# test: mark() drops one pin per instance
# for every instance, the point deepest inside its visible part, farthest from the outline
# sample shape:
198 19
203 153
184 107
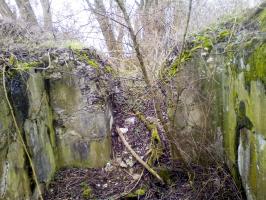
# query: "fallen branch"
135 155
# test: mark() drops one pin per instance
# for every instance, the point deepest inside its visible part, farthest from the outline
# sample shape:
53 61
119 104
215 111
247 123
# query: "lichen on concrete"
63 114
244 133
234 52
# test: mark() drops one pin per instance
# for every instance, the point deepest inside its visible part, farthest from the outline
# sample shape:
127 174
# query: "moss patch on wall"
257 65
262 20
241 45
39 96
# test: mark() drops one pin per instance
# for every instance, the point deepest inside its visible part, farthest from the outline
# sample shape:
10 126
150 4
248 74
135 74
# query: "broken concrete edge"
237 65
61 128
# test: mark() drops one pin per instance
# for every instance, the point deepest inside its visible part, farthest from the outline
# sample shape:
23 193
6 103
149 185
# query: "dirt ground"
124 178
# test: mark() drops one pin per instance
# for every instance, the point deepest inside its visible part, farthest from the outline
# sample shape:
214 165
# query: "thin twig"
20 134
187 25
136 156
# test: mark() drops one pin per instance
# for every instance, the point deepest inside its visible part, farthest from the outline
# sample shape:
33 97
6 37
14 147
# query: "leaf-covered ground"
124 178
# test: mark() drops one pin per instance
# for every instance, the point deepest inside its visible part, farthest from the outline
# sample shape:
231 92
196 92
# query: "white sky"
61 10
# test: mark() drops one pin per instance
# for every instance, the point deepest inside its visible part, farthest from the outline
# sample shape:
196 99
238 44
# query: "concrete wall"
63 114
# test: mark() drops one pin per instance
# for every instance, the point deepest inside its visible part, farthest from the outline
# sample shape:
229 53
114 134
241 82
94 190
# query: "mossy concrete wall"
243 87
230 59
244 131
244 115
63 111
240 64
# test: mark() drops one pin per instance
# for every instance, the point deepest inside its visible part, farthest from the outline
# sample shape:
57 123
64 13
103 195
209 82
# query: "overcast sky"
73 13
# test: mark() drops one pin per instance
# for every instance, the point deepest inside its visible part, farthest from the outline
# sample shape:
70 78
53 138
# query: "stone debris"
130 121
124 130
123 164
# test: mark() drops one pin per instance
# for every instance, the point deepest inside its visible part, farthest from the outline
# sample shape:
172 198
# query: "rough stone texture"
192 115
244 102
62 111
236 63
245 131
14 181
80 116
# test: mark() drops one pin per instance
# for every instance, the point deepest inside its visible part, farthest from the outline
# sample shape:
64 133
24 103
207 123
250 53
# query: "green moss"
100 152
12 60
23 65
18 182
257 63
179 61
249 104
262 20
137 193
165 174
261 166
229 122
83 56
243 63
223 35
51 128
92 63
28 65
205 41
108 69
258 101
5 118
140 192
156 145
86 190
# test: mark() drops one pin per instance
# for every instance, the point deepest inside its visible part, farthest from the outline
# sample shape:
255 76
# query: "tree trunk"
47 15
5 11
174 146
113 46
26 12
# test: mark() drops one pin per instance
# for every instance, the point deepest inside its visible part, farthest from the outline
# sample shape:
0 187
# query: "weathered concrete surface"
244 124
63 113
244 107
231 59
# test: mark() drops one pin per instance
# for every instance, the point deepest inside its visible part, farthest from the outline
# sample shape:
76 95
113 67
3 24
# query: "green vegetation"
22 65
204 41
84 57
28 65
86 190
257 63
137 193
262 20
109 70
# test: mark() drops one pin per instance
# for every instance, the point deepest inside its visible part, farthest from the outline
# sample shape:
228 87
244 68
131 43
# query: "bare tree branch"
114 47
5 11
